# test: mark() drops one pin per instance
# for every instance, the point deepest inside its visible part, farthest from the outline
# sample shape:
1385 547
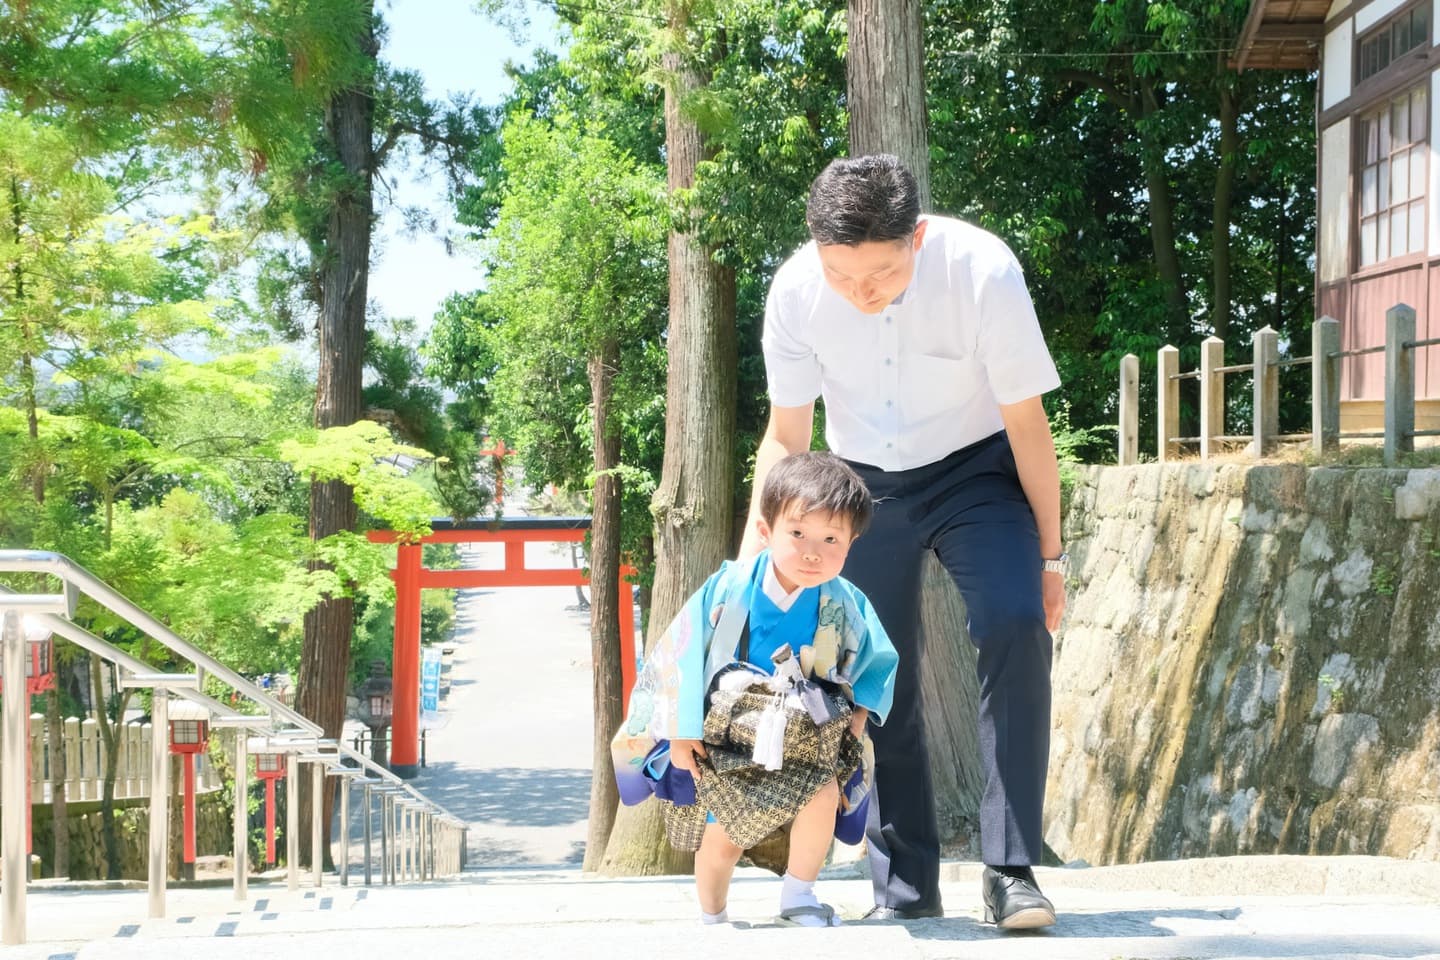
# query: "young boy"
812 508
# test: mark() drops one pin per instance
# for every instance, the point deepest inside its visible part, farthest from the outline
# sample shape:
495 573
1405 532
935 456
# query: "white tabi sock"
795 892
708 918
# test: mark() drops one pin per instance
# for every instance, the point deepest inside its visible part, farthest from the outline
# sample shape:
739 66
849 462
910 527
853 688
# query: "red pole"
405 718
188 815
270 821
627 638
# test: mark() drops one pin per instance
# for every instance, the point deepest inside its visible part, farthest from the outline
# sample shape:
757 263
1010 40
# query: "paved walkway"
514 755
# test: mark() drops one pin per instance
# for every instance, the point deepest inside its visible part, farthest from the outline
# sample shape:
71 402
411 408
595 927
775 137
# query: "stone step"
1105 913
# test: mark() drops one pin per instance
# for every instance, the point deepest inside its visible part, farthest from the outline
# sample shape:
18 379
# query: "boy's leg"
714 866
811 833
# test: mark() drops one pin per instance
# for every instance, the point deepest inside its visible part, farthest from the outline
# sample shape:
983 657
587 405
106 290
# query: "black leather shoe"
878 912
1014 903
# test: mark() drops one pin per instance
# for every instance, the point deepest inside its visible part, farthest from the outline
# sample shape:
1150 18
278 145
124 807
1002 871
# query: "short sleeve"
1011 346
792 370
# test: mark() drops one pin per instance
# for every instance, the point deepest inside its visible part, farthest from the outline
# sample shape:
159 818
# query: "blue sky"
455 50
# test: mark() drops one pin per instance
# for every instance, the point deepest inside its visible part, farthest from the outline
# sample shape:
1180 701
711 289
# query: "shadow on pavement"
509 796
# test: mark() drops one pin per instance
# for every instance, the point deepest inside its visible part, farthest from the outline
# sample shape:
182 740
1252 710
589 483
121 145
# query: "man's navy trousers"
970 509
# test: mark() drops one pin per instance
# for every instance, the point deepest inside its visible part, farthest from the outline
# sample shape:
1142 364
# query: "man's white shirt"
923 377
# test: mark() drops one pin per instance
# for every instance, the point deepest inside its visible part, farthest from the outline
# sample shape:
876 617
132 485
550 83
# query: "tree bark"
344 276
1162 225
55 737
1229 117
605 601
108 837
694 504
885 84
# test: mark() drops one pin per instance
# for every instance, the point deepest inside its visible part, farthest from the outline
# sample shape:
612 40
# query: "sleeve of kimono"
872 676
668 700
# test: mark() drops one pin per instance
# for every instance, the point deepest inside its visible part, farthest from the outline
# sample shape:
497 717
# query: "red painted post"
405 719
188 815
627 638
270 821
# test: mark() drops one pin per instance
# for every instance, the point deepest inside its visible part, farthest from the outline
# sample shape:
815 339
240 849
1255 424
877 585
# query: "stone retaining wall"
213 835
1250 664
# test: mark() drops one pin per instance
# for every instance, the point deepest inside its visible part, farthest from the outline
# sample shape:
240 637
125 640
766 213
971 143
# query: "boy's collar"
770 584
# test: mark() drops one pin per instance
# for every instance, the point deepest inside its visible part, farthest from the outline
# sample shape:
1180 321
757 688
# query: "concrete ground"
514 760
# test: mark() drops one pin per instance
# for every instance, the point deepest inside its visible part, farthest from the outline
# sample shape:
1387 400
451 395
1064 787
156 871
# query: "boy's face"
871 275
807 548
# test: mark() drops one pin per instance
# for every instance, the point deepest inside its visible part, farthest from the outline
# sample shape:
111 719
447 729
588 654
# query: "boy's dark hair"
816 481
863 199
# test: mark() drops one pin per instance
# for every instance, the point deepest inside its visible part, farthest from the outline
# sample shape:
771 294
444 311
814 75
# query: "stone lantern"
375 708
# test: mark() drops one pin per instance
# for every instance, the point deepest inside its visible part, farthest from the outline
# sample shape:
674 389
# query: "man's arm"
787 432
1029 432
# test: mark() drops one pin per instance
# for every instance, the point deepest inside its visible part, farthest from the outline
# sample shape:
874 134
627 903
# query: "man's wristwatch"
1060 565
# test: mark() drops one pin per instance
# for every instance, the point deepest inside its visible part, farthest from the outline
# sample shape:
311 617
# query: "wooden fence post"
1266 349
1129 438
1325 386
1212 396
1399 382
92 773
37 758
1167 388
74 788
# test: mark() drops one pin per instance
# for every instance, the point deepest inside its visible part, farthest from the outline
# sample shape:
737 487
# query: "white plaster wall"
1334 252
1336 65
1366 17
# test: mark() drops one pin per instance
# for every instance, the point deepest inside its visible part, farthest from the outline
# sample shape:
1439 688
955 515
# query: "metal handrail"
281 719
63 568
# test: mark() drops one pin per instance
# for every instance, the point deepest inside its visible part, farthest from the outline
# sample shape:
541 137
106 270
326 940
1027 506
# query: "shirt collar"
772 588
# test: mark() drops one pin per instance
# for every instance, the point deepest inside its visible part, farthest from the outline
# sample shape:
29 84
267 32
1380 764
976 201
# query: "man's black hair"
816 481
863 199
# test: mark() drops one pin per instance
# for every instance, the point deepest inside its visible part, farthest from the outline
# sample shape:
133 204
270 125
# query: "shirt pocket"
938 386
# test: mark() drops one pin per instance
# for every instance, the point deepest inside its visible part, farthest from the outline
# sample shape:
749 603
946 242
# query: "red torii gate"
411 577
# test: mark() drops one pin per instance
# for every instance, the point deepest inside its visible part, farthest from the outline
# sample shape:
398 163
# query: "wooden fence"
1400 347
85 762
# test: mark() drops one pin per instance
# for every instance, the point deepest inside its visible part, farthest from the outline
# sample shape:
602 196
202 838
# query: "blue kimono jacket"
668 701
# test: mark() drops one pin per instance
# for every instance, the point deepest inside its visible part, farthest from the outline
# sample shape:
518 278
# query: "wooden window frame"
1379 115
1396 59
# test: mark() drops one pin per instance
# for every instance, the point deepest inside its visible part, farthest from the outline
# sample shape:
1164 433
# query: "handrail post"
1325 386
1265 346
369 877
1129 432
1167 402
1399 383
242 812
292 821
317 821
343 783
159 840
15 799
1212 396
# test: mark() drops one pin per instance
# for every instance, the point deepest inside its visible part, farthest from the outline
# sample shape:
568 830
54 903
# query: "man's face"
871 275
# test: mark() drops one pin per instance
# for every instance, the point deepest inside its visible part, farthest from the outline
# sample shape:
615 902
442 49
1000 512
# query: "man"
922 339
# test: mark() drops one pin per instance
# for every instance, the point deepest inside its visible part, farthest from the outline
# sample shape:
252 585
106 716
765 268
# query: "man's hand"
687 754
857 721
1052 592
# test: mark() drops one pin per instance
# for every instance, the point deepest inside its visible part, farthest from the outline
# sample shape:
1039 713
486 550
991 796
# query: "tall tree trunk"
1224 193
1162 223
345 270
55 737
27 363
885 84
694 504
605 601
108 837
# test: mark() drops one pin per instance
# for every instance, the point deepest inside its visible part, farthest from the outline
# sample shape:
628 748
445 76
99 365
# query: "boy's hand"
686 755
857 721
